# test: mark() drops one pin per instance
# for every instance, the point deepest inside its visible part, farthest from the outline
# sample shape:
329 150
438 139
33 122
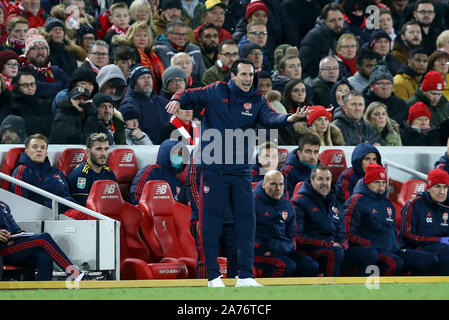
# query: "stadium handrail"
398 166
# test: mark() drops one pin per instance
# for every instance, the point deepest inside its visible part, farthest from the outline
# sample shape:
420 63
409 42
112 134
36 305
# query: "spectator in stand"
111 81
176 42
140 10
17 29
354 14
397 8
295 95
370 222
50 79
362 155
169 163
97 55
322 39
380 89
185 62
327 76
443 161
409 38
267 159
227 54
338 91
141 97
388 129
300 162
274 251
380 43
34 167
366 60
5 100
110 120
431 94
30 10
439 61
424 14
85 35
257 33
424 223
124 57
254 53
290 68
346 55
9 66
303 15
141 39
208 42
192 12
443 41
215 14
120 18
134 135
25 103
12 130
265 83
174 79
410 74
386 24
255 11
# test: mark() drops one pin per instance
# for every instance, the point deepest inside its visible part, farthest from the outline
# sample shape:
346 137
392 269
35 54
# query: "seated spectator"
349 119
30 10
295 95
75 118
124 57
290 68
354 14
265 82
388 129
85 36
9 66
150 107
120 18
366 60
410 74
257 33
17 29
439 61
254 53
97 55
208 42
323 83
274 251
35 112
110 120
338 91
318 123
370 222
362 155
443 41
380 43
185 62
254 11
346 55
424 13
431 94
215 14
227 54
267 158
174 79
111 81
192 12
424 223
168 164
182 128
408 39
12 130
418 131
380 89
134 135
303 15
386 24
33 167
94 168
300 162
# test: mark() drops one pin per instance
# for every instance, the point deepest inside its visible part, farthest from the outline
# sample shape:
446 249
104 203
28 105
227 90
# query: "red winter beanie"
317 112
255 5
374 172
437 176
417 110
433 80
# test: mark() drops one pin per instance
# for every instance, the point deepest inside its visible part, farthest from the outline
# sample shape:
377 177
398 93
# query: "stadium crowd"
347 73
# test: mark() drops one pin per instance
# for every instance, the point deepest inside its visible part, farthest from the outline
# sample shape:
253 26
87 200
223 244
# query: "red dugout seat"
123 162
283 154
69 159
105 198
394 189
9 164
335 160
410 189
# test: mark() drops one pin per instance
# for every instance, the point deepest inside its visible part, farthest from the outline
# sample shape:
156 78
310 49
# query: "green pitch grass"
434 291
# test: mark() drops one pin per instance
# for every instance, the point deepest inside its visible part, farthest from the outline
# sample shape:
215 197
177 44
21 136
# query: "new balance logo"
127 157
78 157
109 189
336 158
161 189
419 188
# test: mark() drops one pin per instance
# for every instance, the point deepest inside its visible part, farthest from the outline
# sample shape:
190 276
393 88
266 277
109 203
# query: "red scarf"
154 63
350 63
185 129
117 29
45 70
180 49
7 82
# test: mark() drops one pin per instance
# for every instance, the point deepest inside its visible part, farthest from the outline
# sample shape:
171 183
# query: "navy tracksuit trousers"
37 251
405 260
441 252
293 264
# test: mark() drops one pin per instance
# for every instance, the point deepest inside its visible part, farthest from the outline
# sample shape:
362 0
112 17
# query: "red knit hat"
433 80
417 110
437 176
317 111
374 172
255 5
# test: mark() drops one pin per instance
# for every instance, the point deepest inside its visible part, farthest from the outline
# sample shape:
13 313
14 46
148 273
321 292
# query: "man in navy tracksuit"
425 221
230 109
34 168
321 232
301 161
362 155
169 163
274 251
370 222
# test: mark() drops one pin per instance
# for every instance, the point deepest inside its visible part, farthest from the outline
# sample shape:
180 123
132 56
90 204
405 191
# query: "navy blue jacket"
255 171
41 175
294 171
319 220
275 223
162 170
48 90
423 222
442 163
228 108
370 219
83 177
7 221
349 178
152 113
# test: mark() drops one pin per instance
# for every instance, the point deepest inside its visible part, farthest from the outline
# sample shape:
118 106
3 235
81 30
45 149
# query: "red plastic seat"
397 218
106 199
123 162
335 160
70 158
410 189
297 186
166 226
283 154
394 189
9 164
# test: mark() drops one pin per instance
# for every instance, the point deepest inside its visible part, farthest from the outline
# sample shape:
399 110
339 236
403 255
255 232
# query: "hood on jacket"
357 156
84 74
163 155
16 124
113 73
334 88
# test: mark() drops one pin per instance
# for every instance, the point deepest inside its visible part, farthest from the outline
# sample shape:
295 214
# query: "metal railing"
398 166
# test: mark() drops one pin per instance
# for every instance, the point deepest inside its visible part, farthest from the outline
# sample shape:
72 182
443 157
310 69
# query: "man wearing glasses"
97 55
409 38
256 32
328 73
227 53
424 14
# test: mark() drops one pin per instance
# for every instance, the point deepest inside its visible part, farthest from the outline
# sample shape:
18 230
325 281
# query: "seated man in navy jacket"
274 244
267 159
424 223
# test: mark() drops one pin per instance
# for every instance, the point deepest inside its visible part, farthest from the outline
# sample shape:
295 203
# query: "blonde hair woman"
377 115
140 10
